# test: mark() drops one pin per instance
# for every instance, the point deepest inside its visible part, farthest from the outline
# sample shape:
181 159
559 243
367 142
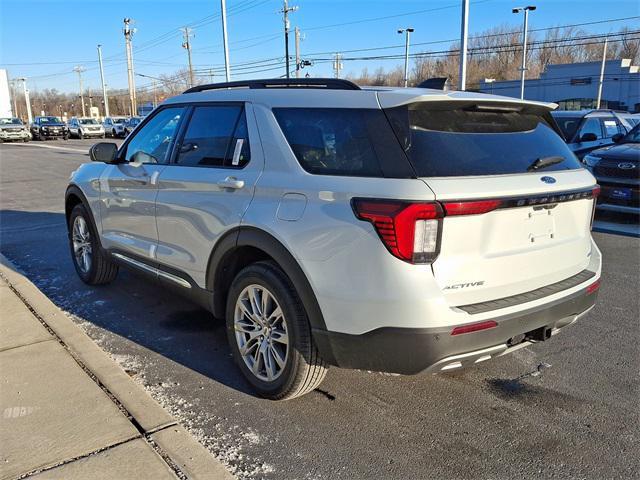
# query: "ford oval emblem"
626 166
548 179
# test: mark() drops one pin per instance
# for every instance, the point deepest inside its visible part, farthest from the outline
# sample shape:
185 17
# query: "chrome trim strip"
173 278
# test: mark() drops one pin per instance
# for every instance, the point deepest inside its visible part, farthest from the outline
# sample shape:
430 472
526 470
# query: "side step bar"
155 271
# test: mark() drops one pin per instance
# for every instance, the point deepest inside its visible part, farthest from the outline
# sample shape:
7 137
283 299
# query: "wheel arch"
74 196
245 245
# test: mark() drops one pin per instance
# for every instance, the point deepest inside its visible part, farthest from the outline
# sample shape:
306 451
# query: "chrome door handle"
231 182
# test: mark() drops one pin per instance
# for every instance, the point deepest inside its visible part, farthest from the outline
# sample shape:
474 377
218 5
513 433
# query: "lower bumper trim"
410 351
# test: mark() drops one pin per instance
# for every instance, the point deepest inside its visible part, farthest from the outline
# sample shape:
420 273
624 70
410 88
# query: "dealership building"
574 86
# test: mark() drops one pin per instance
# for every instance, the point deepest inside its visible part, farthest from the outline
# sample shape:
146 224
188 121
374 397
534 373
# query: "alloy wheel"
81 238
261 332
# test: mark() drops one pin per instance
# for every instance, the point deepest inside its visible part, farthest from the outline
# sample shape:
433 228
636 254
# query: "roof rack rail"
326 83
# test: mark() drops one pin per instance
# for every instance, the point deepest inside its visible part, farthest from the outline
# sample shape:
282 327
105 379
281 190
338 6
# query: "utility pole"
79 69
464 35
90 102
186 34
407 32
523 69
155 95
15 98
105 99
297 34
337 64
285 15
601 81
26 98
227 70
128 33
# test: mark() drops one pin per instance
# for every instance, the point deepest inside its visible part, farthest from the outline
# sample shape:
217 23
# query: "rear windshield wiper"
545 162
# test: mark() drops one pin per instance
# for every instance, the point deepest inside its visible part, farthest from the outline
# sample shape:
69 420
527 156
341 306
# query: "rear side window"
591 125
454 141
343 141
216 137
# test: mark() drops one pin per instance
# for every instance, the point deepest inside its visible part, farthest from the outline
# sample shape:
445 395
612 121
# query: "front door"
208 186
128 190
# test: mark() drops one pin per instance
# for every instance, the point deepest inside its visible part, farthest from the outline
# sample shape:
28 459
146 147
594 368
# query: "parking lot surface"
564 408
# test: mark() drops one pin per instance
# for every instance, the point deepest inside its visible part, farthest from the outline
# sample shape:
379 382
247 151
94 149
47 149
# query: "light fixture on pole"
407 32
523 69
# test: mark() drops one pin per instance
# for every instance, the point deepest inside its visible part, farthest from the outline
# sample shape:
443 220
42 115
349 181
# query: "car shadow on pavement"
131 307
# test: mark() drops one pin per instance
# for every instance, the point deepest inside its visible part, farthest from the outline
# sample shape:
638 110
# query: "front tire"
90 261
269 334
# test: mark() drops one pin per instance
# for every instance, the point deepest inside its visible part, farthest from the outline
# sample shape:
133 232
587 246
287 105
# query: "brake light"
410 231
474 327
474 207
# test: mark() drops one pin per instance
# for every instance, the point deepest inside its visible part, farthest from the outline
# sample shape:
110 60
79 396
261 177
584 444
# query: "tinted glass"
216 137
444 141
568 125
333 141
151 144
591 125
610 127
633 136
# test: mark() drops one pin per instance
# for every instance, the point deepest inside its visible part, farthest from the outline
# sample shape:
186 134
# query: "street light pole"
464 30
601 80
407 32
285 14
128 34
523 69
104 86
227 70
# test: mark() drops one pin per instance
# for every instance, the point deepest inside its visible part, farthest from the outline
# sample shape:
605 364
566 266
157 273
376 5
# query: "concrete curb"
148 416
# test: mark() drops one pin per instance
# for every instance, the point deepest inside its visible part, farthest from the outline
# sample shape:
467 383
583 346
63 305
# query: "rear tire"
91 263
280 359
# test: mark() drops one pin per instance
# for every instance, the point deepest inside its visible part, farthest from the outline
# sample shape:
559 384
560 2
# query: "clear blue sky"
44 39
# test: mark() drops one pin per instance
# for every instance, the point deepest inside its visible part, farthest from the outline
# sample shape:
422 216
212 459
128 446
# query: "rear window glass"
442 141
343 141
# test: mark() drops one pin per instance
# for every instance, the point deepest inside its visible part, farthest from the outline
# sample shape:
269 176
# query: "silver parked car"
13 129
401 230
85 128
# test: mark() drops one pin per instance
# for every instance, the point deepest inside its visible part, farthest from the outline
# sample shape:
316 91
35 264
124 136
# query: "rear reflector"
410 231
473 327
474 207
593 287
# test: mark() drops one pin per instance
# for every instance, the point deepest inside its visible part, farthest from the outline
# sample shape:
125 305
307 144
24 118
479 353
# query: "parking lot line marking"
46 146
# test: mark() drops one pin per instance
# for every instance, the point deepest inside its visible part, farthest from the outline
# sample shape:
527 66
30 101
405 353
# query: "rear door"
208 186
518 204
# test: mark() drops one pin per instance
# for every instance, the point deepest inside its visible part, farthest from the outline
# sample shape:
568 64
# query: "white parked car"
85 128
402 230
114 126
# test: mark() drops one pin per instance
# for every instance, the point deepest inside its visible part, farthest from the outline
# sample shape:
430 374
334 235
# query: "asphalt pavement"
564 408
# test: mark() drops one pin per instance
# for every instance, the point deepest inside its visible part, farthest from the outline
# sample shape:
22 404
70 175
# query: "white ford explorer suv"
395 230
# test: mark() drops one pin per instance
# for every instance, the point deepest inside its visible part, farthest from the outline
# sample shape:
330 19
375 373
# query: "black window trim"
122 151
183 130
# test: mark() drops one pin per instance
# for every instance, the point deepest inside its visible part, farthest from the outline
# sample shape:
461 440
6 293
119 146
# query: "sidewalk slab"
147 413
133 460
52 411
190 456
18 326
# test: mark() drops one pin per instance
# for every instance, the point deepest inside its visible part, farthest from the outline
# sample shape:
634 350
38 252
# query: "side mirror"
106 152
617 137
588 137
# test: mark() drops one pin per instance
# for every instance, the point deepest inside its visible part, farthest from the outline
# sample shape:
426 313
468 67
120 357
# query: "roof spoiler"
436 83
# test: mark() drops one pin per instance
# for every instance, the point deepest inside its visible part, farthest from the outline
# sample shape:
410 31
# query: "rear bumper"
418 350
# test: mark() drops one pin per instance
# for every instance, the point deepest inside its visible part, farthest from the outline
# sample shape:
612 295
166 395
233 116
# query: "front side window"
151 144
591 125
216 137
468 140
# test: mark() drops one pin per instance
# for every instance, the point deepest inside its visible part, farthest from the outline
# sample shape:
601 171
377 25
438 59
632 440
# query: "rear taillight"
411 231
595 191
474 207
